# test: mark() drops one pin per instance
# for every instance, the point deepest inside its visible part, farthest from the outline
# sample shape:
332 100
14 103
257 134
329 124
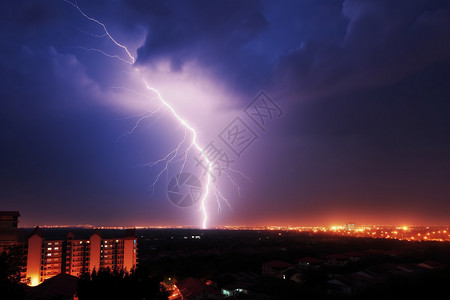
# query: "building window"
49 254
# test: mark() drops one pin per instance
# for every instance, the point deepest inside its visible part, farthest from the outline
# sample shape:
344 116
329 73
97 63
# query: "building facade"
47 258
10 235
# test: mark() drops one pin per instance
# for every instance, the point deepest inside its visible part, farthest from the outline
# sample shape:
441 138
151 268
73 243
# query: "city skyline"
345 105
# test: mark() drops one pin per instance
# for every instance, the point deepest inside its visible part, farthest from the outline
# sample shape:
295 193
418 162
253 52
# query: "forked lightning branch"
190 138
214 161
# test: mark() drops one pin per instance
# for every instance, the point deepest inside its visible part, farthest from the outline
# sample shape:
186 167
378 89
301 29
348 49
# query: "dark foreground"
217 264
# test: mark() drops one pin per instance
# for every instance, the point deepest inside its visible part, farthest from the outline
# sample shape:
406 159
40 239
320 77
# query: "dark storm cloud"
384 42
372 117
214 34
60 148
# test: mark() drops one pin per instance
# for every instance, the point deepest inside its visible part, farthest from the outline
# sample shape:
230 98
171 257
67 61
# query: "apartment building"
10 235
76 256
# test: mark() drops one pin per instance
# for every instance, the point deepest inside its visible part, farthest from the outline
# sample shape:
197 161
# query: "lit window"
49 248
81 242
56 248
49 244
49 254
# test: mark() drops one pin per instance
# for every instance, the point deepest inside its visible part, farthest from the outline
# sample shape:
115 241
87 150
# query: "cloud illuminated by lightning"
179 150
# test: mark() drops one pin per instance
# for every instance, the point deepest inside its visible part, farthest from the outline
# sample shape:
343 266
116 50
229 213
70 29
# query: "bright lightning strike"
168 159
194 143
105 30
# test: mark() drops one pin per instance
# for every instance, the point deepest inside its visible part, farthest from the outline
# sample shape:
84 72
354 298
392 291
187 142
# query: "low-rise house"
336 260
354 255
236 288
276 268
431 265
194 289
309 263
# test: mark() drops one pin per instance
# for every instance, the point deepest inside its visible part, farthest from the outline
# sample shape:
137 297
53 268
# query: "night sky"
362 134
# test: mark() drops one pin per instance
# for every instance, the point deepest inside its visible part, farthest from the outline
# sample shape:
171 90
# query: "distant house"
354 255
339 286
375 252
234 284
194 289
235 288
293 275
336 260
309 262
394 253
354 283
351 226
276 268
411 270
431 265
351 283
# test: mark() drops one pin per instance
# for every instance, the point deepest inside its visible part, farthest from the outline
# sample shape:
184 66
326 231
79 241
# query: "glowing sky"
364 137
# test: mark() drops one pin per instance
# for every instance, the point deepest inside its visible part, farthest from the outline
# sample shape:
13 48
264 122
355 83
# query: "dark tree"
12 263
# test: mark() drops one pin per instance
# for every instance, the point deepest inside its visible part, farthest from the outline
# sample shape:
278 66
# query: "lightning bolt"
168 159
194 143
105 30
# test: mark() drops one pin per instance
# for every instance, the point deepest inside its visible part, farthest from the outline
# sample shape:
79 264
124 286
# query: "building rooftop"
192 287
277 264
81 234
9 214
310 260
